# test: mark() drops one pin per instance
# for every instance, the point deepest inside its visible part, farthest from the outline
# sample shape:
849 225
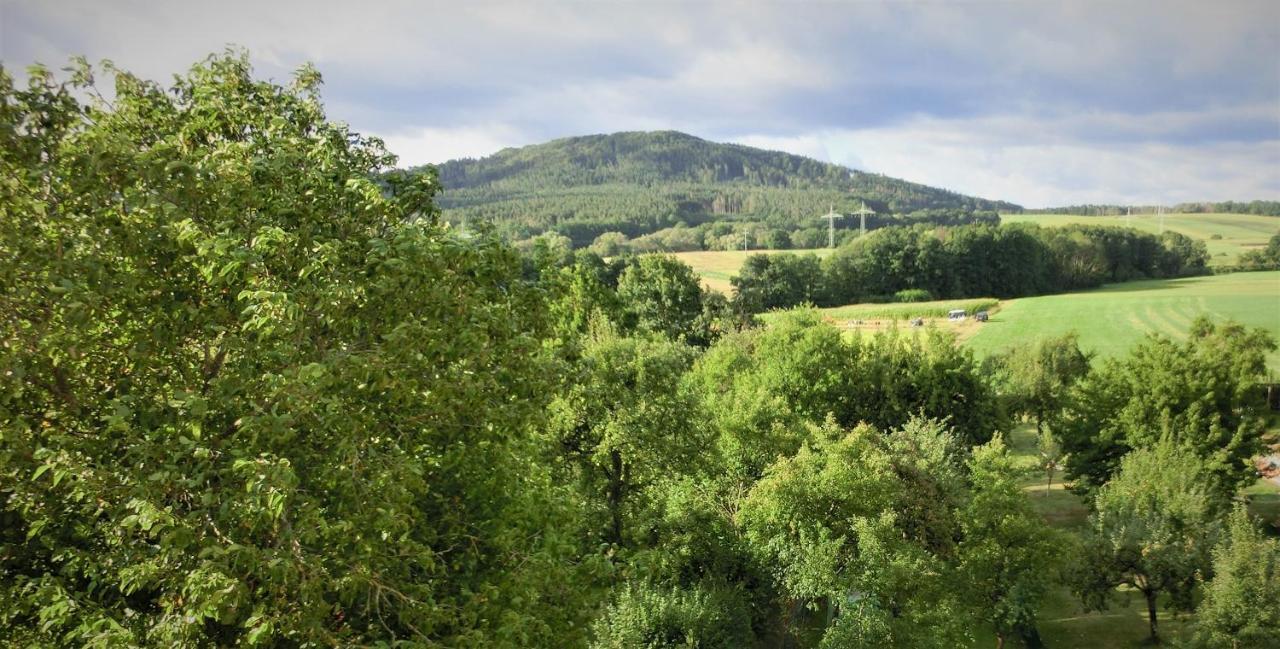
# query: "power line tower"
831 217
862 218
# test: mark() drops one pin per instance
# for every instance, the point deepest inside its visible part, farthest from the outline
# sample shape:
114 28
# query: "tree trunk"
615 497
1030 635
1049 485
999 641
1151 614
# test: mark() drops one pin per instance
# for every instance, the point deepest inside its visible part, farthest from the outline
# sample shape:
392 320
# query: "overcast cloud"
1035 102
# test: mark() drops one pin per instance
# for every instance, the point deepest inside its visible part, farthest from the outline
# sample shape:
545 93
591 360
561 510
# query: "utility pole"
831 217
862 218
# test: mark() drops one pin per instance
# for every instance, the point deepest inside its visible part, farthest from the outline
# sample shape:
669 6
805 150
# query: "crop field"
1237 232
715 267
1113 318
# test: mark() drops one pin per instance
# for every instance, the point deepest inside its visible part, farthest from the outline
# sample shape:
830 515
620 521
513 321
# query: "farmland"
715 267
1237 232
1111 319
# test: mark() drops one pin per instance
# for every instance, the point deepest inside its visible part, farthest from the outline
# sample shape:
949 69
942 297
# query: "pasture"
1237 232
1111 319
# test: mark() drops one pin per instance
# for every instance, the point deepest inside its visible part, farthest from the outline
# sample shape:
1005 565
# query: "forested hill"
639 182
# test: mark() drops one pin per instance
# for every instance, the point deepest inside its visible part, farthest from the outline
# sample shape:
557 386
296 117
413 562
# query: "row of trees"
250 396
965 261
1263 208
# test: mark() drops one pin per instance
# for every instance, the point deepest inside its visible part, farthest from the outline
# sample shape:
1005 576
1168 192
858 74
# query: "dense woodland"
923 263
639 183
254 392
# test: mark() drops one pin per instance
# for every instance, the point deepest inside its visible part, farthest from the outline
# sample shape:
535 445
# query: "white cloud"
1010 161
435 145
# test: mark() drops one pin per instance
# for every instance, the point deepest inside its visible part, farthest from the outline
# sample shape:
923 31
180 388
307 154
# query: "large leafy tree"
624 424
857 525
1202 393
660 294
1152 530
247 395
1037 378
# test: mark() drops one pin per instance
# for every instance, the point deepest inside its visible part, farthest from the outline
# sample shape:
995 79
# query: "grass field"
1113 318
715 267
1238 232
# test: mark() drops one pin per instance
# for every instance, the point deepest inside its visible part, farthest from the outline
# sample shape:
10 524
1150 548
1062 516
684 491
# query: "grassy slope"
1239 232
1111 319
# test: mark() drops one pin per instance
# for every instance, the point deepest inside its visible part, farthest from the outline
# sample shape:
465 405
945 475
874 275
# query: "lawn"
1238 232
715 267
1110 320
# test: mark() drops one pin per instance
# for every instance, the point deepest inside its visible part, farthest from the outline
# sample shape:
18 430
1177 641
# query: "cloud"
435 145
1151 87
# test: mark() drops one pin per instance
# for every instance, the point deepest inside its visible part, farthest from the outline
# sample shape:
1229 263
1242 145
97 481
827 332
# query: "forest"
638 183
255 390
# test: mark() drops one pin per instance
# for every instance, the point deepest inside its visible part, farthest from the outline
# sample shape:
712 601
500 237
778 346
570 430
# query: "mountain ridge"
636 182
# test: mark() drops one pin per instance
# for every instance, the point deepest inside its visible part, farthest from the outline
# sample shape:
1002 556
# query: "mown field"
715 267
1237 232
1109 320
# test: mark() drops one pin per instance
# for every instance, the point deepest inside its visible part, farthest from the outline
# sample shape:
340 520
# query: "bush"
652 617
912 295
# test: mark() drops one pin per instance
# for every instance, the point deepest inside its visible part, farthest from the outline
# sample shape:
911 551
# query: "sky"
1036 102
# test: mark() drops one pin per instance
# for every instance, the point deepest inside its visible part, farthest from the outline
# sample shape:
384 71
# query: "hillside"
640 182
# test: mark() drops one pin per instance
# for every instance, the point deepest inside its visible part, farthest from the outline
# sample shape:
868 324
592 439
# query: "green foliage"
1036 379
660 294
1152 530
1008 556
249 397
1267 258
852 525
767 282
644 617
1240 608
906 264
625 424
1201 394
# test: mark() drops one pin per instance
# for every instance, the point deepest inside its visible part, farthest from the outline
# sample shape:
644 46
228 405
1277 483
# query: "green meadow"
1111 319
1236 232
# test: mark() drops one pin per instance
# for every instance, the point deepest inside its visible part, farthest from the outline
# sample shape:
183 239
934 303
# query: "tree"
660 294
1201 393
1038 377
623 424
855 526
248 396
1240 608
1007 554
609 244
1153 528
1051 457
